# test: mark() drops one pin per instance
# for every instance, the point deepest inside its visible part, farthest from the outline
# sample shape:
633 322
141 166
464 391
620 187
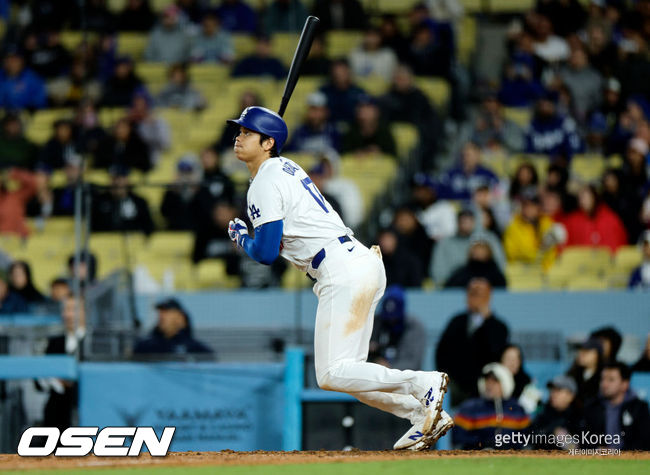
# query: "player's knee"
329 379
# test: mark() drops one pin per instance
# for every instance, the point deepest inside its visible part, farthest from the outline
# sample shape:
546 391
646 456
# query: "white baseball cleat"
444 424
428 420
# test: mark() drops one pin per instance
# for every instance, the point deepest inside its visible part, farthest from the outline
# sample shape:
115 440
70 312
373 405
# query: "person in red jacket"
16 189
594 223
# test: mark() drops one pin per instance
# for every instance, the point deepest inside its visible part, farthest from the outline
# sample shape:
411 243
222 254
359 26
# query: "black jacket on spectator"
134 154
549 420
642 366
462 355
54 153
136 19
128 214
353 17
587 388
119 92
488 270
216 187
180 212
13 303
634 422
181 343
403 268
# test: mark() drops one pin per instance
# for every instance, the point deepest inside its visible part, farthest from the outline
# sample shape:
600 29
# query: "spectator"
319 176
480 264
211 239
428 55
593 223
618 411
179 205
95 16
62 198
492 130
16 189
212 44
391 35
317 63
63 400
40 205
60 290
50 14
230 130
169 42
520 84
495 411
342 189
152 129
451 253
525 178
370 58
551 134
438 217
627 118
123 147
136 16
491 210
120 209
284 16
583 82
46 56
122 85
560 416
635 179
531 236
412 235
342 93
60 148
401 264
548 46
16 150
78 85
586 369
470 340
191 10
513 359
640 276
237 16
20 282
621 200
179 93
89 132
340 14
610 341
316 134
260 63
215 187
10 302
398 340
566 16
20 87
643 365
172 334
460 181
82 266
369 134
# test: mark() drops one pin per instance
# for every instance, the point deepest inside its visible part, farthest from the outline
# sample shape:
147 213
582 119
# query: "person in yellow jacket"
527 237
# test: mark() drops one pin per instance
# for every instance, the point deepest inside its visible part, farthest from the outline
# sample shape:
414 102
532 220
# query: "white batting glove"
237 229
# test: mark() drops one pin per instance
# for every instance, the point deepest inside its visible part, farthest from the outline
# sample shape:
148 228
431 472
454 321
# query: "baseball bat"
302 50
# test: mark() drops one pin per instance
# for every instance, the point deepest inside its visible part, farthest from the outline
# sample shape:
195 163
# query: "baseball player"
292 219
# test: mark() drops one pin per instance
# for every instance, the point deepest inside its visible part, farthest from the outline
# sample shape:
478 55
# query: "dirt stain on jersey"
359 310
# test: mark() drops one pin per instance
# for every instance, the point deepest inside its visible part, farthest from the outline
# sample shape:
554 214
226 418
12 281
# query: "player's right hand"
237 229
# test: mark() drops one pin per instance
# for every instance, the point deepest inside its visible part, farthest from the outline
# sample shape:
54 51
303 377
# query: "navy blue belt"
320 255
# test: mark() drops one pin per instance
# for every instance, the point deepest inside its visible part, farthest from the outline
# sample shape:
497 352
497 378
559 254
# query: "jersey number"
314 193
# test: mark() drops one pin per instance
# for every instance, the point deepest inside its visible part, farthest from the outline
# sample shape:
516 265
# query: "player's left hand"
237 229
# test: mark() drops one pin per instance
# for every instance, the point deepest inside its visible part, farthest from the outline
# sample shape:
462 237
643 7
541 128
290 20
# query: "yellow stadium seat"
171 243
211 274
45 271
519 115
614 161
466 39
558 277
71 39
284 45
267 88
55 227
436 89
45 247
627 258
373 85
116 6
406 137
109 115
244 44
587 167
526 283
540 162
340 42
583 260
497 6
38 135
98 177
132 44
372 174
159 5
294 278
497 162
152 73
12 244
587 283
208 72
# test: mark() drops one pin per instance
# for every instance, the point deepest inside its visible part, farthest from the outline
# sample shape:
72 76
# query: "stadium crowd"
496 179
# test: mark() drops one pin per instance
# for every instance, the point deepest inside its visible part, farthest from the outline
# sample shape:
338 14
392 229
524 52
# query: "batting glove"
237 229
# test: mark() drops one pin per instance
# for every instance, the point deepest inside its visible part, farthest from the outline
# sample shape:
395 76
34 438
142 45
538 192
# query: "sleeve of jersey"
265 247
265 203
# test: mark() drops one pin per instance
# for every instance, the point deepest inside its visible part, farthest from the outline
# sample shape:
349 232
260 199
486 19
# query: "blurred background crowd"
482 144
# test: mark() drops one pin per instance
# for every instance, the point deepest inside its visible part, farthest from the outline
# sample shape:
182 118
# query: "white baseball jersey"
282 190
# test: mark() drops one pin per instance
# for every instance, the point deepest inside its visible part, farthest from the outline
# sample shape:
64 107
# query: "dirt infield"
228 457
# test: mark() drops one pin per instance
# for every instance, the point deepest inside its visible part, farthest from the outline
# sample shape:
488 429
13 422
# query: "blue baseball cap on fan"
393 305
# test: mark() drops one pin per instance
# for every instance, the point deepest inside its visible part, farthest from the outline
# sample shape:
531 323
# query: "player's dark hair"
624 370
274 149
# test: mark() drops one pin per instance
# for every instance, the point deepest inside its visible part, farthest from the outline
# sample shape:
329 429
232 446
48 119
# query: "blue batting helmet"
264 121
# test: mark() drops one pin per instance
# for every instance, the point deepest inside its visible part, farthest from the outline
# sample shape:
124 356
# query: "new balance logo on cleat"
416 436
429 397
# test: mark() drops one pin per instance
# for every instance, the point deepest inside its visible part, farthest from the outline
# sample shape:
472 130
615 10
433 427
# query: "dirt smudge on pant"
359 310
